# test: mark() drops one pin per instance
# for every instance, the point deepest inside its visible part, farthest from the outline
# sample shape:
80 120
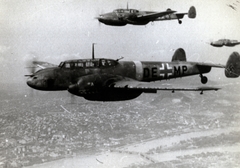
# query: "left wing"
149 87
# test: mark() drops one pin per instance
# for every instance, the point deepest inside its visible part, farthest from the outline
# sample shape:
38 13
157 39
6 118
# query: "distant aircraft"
225 42
122 17
231 6
104 79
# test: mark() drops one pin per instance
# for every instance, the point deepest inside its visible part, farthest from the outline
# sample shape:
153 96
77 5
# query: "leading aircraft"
122 17
102 79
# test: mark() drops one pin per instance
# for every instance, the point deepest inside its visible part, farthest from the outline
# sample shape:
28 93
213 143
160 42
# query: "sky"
58 30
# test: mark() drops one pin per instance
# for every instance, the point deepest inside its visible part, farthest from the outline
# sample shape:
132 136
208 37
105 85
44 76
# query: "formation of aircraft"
105 79
225 42
122 17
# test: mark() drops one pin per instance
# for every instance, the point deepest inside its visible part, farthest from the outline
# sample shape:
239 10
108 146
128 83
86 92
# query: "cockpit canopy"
88 63
126 11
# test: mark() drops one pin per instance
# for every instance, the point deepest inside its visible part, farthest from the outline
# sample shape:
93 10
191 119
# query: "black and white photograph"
119 84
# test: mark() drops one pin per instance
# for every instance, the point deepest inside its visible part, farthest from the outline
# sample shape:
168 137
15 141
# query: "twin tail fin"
179 55
233 66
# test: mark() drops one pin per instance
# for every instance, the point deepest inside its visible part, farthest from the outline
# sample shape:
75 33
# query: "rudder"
179 55
192 12
233 66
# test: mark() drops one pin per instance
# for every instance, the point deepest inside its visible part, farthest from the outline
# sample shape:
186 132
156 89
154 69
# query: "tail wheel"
204 79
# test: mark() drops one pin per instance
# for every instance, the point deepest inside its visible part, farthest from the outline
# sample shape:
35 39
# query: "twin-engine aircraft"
122 17
225 42
104 79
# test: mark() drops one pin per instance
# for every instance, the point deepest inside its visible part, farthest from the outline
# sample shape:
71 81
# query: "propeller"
98 15
99 23
71 99
30 64
31 58
209 42
71 89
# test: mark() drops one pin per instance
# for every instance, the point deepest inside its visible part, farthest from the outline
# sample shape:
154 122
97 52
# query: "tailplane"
179 55
233 66
192 12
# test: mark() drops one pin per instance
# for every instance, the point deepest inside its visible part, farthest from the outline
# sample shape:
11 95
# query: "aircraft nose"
34 82
100 18
30 82
73 89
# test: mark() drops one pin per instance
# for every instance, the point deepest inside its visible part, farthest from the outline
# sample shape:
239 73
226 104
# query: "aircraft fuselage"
123 17
60 78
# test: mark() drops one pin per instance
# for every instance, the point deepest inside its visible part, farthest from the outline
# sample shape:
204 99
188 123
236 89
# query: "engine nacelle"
92 84
98 88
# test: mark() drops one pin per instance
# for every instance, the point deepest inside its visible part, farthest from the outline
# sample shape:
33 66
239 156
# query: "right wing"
150 87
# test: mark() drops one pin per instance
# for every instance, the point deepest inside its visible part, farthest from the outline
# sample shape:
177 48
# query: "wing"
43 65
150 87
151 16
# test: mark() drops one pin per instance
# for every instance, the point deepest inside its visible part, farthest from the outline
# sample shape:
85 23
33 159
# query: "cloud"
4 49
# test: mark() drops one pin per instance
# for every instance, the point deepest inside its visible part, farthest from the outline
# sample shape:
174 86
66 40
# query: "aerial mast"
93 50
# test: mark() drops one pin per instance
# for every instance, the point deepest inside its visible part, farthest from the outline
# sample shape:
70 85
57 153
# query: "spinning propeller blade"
30 64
